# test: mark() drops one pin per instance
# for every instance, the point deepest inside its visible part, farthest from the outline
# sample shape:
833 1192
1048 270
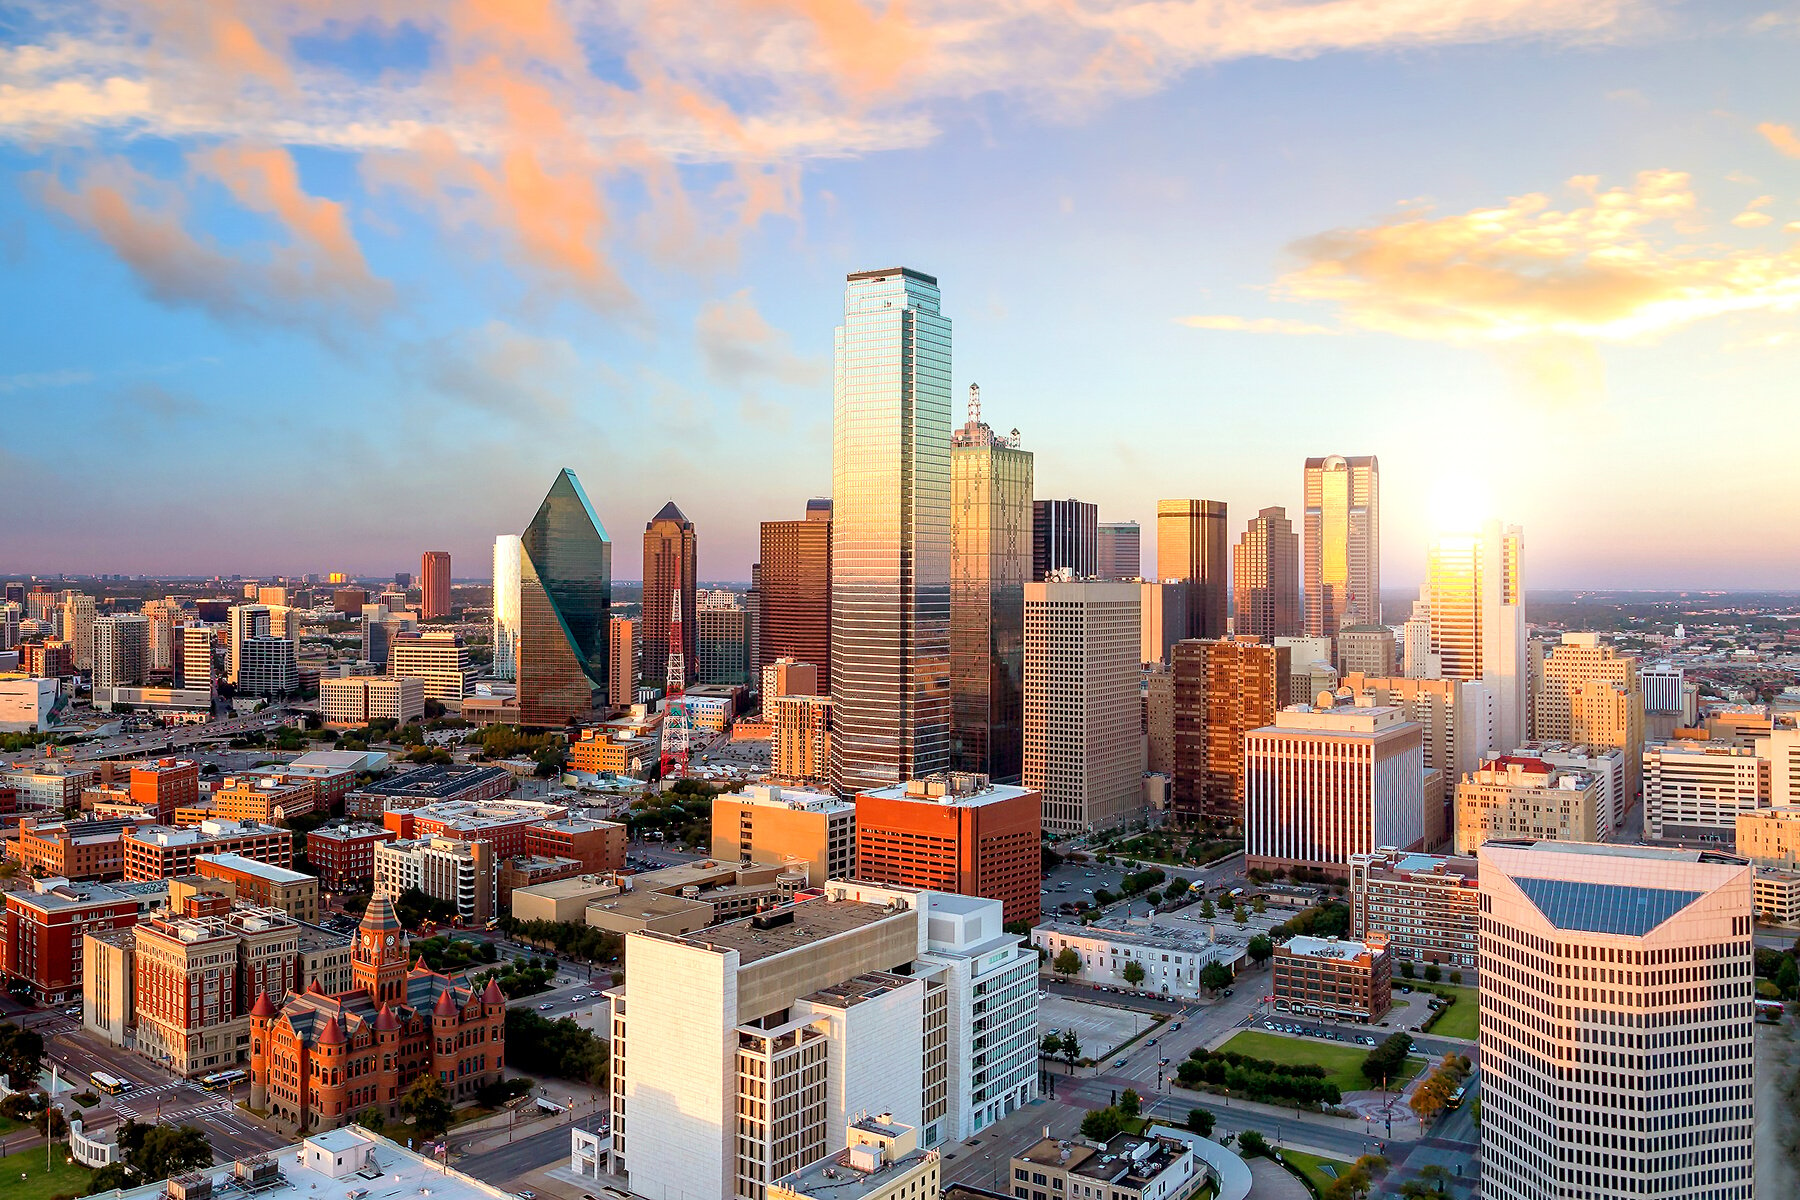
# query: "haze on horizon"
316 287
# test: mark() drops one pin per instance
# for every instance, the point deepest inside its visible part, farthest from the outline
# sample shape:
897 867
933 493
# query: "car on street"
543 1008
1117 1062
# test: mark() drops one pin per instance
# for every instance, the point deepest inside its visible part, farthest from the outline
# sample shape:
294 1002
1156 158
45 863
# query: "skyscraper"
796 591
670 562
1083 748
1191 546
1064 536
1223 690
1616 1008
434 584
890 533
1477 615
990 561
1265 577
565 589
1589 692
121 650
1343 543
623 658
1121 550
263 660
724 640
78 628
195 666
508 553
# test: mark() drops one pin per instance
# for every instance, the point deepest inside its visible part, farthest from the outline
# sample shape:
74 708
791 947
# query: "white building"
28 704
742 1052
77 628
1322 785
1617 991
508 605
1171 959
1604 763
1476 598
1696 789
1663 685
354 701
1084 749
263 662
436 658
444 868
196 656
121 650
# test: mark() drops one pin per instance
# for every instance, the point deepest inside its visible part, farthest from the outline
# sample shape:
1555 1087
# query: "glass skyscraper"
508 550
1343 543
565 588
990 563
890 533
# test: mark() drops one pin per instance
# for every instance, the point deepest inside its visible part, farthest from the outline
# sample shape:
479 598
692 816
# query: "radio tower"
677 730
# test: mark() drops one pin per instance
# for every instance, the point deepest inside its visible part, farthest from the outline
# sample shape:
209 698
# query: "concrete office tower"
1162 619
262 662
1343 543
77 615
890 533
1083 739
1477 598
1120 550
1065 535
1457 717
121 650
794 583
1523 795
1662 684
1416 659
1265 577
1223 690
624 654
437 658
991 530
1367 650
724 639
508 570
764 824
162 615
1567 709
196 666
1782 749
671 558
434 584
1191 543
1323 784
1697 790
1616 1002
1159 719
802 737
565 590
10 615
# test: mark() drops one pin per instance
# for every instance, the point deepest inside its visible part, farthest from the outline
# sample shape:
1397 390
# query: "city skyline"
318 231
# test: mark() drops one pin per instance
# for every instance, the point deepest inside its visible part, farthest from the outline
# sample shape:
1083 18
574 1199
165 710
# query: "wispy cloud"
31 381
1781 137
1231 324
502 371
739 348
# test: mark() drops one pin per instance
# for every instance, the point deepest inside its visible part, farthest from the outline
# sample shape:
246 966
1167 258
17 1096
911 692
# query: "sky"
317 286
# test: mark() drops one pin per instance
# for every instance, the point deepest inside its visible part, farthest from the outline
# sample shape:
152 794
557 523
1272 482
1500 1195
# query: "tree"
1201 1121
370 1118
22 1053
1215 976
1071 1048
1207 910
1252 1144
1102 1124
1131 1104
1260 949
52 1119
1134 973
163 1151
1406 968
1259 904
1051 1045
1431 1097
428 1105
1068 962
1432 973
1456 978
1384 1062
1240 914
1787 976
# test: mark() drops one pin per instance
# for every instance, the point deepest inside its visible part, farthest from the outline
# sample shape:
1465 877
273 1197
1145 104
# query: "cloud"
154 400
502 371
1618 264
739 348
1781 137
1231 324
31 381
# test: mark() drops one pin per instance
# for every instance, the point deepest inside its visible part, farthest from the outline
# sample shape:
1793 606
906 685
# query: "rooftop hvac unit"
196 1185
255 1172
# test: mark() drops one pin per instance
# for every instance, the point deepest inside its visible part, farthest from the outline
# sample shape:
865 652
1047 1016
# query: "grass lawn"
1460 1021
1342 1061
7 1124
41 1184
1311 1166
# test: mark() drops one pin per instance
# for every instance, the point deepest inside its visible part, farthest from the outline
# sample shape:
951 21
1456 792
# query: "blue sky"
316 288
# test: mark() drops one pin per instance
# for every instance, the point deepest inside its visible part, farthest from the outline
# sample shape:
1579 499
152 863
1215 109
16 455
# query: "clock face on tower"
390 939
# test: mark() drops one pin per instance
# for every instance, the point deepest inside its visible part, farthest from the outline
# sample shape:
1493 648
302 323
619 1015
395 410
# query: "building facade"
625 661
42 927
1698 790
1342 518
1223 690
565 591
351 702
508 570
1192 546
1335 979
802 740
1426 904
1521 796
766 824
1589 692
794 591
1617 990
1120 550
955 833
1265 577
1476 588
434 585
671 563
1064 537
343 854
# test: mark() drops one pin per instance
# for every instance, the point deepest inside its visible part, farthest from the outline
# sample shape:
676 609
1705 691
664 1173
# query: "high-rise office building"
990 562
434 584
1121 551
1163 617
262 662
78 628
890 533
1343 543
1064 537
794 584
1324 784
1191 545
195 662
1367 650
1457 716
11 612
723 642
802 738
1223 690
671 559
1265 577
1524 795
1616 1007
121 650
163 616
507 573
1609 713
565 590
1083 745
624 661
437 658
1477 613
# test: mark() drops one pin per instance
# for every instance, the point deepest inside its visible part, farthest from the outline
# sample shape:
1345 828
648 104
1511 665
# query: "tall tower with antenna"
677 730
677 675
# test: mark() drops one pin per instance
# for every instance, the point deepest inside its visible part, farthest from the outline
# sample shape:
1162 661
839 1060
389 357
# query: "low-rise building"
1172 960
323 958
595 845
763 823
955 832
428 785
92 848
1517 796
55 785
608 751
882 1161
352 702
529 870
30 704
444 868
343 854
1335 978
1697 790
502 824
1426 904
1128 1167
42 928
264 884
162 851
1777 896
264 798
1770 837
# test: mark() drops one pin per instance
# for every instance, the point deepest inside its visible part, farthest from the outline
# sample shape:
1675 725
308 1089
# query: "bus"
223 1081
1456 1097
1770 1011
112 1085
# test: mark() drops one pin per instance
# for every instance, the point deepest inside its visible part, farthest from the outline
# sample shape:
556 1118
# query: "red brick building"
165 785
89 849
163 851
41 932
597 845
500 825
343 856
318 1060
955 833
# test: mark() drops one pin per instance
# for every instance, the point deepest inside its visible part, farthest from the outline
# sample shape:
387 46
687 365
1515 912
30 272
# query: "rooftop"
206 831
854 991
755 938
433 782
249 866
769 796
347 830
56 894
1317 947
952 788
1151 937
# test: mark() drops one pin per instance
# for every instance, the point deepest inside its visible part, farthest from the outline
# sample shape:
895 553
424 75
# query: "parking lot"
1101 1028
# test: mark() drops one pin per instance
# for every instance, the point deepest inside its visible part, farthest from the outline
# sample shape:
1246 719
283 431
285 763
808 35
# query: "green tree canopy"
428 1105
1068 962
1215 976
1134 973
1260 949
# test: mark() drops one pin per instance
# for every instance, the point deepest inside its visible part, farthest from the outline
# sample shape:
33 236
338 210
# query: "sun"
1460 504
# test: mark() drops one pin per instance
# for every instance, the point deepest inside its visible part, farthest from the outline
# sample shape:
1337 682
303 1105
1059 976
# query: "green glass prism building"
565 589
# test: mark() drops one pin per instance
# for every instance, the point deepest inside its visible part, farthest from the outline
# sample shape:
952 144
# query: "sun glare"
1460 504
